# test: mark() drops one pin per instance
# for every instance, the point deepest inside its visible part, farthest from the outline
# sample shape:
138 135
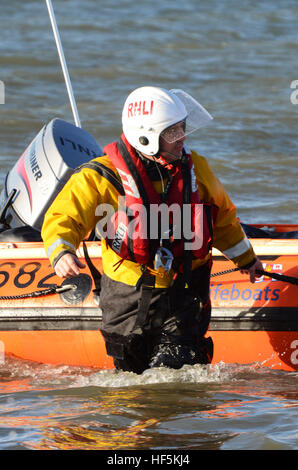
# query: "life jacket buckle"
163 259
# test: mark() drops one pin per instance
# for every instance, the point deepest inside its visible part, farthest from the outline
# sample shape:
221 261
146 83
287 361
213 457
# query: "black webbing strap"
142 190
187 257
146 288
105 172
96 275
146 282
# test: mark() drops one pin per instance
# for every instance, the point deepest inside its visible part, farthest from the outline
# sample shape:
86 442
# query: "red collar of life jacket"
134 230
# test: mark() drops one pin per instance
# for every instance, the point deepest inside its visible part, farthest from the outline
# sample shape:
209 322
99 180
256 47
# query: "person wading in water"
168 211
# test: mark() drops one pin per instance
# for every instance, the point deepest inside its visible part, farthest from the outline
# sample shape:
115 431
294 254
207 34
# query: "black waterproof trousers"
173 333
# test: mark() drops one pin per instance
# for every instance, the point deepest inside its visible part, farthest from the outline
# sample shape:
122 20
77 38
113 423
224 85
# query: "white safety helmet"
148 111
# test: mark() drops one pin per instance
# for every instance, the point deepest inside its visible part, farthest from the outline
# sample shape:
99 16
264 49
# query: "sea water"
222 406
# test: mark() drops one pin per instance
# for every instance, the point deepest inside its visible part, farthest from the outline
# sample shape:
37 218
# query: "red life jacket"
130 230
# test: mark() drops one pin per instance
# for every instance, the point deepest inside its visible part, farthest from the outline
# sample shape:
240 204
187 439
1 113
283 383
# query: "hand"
68 266
252 270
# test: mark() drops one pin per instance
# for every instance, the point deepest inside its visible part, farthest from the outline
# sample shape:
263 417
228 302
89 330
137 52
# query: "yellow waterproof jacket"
78 208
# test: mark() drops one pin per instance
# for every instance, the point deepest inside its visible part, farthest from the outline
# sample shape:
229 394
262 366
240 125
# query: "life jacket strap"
105 172
96 275
187 265
146 285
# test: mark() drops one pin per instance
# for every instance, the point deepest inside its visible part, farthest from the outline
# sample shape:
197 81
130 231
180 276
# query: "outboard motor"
39 175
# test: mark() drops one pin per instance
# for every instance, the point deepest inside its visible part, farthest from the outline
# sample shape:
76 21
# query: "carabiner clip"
163 259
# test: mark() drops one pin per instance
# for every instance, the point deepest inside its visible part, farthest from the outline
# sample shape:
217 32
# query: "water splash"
20 375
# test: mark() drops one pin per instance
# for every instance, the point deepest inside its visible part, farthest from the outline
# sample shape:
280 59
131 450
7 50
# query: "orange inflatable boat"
46 320
40 322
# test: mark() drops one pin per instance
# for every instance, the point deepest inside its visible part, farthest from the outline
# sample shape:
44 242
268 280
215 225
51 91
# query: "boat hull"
251 323
277 349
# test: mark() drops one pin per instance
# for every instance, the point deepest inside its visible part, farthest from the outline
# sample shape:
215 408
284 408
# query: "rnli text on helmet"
140 108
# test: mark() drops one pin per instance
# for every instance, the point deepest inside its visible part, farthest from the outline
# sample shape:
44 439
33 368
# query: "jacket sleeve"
73 214
228 235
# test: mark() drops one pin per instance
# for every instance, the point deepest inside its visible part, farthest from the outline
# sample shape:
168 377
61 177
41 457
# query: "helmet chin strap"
157 156
178 157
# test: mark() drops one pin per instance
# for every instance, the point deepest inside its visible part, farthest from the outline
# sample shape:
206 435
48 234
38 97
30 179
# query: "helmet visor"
197 116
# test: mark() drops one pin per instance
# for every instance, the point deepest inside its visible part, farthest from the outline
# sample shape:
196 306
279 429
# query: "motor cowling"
43 169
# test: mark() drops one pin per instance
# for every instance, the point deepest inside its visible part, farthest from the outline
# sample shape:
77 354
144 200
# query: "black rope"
39 293
227 271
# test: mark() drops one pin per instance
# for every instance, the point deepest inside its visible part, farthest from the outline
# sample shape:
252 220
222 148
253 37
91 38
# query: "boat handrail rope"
60 289
39 293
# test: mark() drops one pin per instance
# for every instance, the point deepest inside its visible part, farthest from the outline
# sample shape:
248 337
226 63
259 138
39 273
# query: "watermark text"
2 92
2 352
156 222
294 355
294 94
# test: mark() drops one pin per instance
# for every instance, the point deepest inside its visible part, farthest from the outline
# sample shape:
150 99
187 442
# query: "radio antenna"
63 64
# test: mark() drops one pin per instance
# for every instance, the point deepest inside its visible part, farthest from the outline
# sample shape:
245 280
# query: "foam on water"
19 375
